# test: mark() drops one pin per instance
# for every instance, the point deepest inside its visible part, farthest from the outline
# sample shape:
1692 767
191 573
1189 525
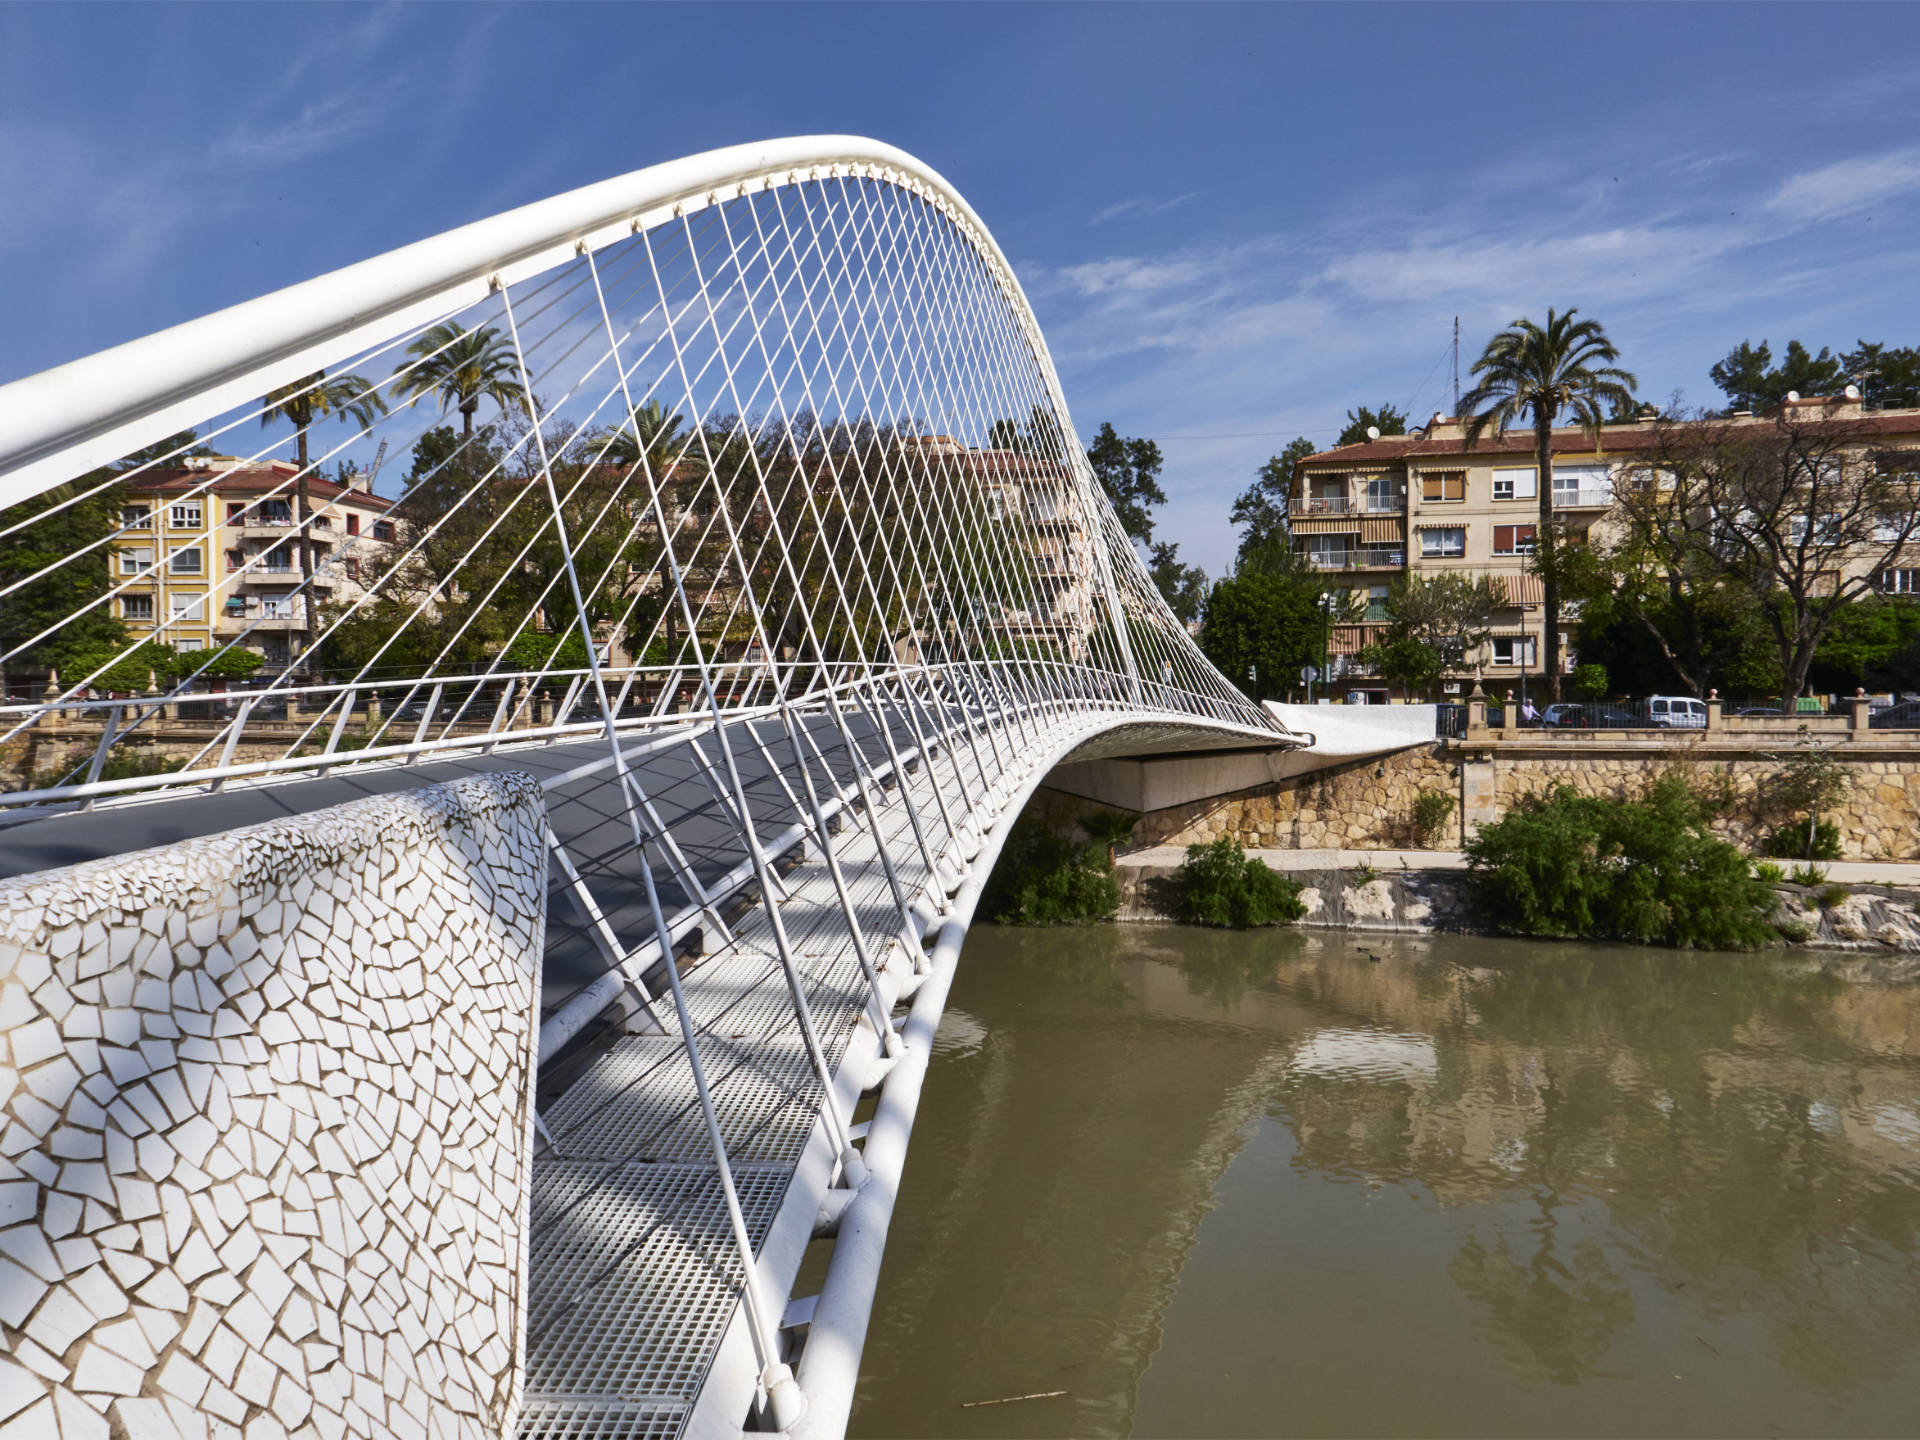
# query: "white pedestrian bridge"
466 1021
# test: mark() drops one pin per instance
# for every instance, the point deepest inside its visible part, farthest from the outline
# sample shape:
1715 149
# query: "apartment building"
1425 503
208 554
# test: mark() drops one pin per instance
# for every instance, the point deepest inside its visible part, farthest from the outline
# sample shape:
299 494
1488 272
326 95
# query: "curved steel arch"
66 420
786 404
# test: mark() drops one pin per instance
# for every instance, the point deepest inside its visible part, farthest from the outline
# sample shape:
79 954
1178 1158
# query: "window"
1521 483
1512 650
383 530
185 515
353 569
184 562
188 607
277 561
236 560
136 559
1582 485
1327 552
1376 602
1385 492
1900 582
1513 539
353 520
136 607
236 512
1447 543
276 607
135 517
1440 485
189 647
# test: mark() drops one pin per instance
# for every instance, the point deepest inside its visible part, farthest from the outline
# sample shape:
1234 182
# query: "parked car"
1904 716
1561 714
1753 710
1677 712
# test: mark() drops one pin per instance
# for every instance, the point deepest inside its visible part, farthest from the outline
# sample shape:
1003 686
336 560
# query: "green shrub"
1789 842
1807 875
1590 681
1431 811
1647 871
1220 886
1829 896
1768 873
1045 879
1796 932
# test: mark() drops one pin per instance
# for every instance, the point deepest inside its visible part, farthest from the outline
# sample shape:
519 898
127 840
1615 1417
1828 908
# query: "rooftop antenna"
1456 365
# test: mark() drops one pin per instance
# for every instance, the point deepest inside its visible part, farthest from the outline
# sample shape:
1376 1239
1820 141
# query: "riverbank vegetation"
1045 878
1221 887
1647 871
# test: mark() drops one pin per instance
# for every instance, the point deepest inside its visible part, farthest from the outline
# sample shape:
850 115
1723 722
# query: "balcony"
1320 505
1366 557
1596 499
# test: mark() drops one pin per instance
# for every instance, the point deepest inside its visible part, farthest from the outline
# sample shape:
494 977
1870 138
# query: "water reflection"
1561 1189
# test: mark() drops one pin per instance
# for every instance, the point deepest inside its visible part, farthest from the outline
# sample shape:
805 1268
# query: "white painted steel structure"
760 530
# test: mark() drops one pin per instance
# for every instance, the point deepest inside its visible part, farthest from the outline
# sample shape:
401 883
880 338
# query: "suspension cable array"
743 506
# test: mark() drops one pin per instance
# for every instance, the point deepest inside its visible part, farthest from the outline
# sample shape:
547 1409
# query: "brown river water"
1261 1184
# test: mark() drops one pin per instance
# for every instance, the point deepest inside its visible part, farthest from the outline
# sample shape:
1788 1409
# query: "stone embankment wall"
1370 804
268 1125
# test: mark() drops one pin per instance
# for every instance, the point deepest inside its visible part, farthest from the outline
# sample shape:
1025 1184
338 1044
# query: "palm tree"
305 400
462 367
1534 372
659 430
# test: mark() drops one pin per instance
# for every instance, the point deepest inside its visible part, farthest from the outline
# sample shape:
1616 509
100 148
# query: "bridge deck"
633 1271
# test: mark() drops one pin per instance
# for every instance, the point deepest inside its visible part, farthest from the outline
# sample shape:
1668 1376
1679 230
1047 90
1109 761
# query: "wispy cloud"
320 126
1141 206
1848 186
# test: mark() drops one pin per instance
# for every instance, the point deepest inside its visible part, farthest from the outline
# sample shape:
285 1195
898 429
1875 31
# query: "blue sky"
1234 221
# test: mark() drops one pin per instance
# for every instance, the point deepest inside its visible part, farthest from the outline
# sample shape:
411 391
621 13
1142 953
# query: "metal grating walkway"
634 1275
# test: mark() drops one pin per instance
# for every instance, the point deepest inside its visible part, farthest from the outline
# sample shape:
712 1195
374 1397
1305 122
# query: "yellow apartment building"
1424 503
208 554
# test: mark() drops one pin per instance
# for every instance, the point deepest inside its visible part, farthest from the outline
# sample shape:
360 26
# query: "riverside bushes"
1646 870
1046 879
1220 886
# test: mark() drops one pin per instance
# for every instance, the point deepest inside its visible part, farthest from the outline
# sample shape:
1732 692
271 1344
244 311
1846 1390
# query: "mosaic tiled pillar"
268 1124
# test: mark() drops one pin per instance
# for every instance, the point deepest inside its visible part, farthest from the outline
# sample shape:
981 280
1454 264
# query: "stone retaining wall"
268 1126
1369 804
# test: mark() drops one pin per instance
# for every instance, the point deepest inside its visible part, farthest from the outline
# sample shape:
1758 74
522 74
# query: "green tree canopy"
1750 380
1389 419
1432 626
1261 509
1183 587
1268 621
1128 469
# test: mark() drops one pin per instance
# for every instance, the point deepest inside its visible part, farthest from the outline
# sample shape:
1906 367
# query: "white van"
1677 712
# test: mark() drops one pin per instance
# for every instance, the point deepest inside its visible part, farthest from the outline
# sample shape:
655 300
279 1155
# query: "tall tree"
1129 471
1888 379
461 368
1270 619
1388 420
313 397
1433 625
1261 508
1801 512
1183 587
1533 373
1751 381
